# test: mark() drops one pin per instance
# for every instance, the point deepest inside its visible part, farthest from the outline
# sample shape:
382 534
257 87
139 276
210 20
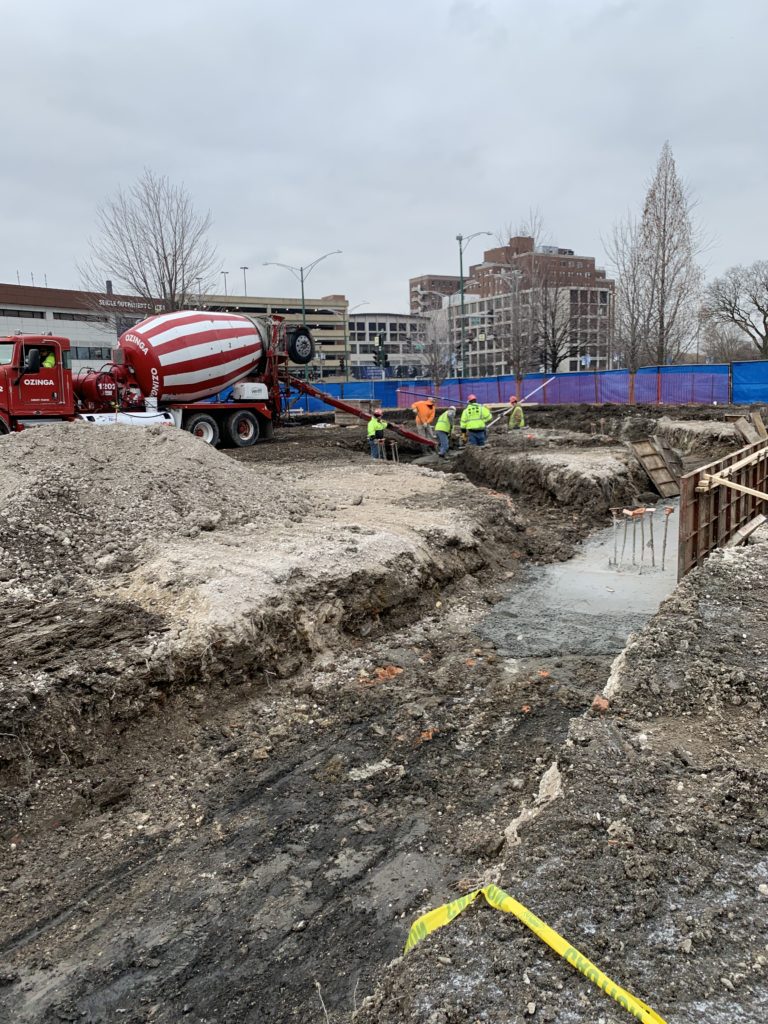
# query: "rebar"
642 537
624 542
651 544
667 514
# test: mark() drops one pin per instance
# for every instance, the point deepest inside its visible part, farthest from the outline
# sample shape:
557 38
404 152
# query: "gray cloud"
307 127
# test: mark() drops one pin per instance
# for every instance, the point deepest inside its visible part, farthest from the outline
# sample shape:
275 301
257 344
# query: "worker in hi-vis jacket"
444 429
475 420
376 428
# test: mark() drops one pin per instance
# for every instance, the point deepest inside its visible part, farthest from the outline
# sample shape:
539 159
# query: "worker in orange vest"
425 415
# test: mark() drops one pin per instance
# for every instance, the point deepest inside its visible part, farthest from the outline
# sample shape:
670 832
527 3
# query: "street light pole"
463 243
245 282
345 320
224 275
301 274
199 290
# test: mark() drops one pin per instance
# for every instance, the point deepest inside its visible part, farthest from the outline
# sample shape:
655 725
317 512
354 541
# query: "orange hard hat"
512 399
472 398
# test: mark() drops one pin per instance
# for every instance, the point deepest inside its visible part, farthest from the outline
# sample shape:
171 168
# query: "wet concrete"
590 604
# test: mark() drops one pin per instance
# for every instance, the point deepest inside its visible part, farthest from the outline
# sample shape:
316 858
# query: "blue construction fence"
740 383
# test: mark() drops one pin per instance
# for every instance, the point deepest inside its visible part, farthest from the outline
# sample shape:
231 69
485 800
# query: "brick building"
530 307
425 291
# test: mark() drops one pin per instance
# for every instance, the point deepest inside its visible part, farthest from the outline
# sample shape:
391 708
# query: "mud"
590 604
653 861
235 772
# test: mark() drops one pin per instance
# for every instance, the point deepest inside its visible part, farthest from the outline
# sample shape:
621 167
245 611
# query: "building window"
26 314
84 317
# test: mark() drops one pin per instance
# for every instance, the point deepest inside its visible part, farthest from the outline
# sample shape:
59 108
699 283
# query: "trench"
271 880
591 603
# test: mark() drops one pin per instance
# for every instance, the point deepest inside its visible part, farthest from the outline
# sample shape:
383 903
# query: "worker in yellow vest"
376 428
475 420
443 429
515 416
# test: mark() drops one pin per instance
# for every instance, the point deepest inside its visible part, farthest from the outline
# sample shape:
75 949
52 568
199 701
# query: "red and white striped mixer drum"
185 356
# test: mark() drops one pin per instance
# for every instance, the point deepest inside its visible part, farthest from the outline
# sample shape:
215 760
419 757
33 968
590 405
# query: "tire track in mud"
325 855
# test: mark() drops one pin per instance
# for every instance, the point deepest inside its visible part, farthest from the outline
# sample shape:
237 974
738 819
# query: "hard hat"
378 412
451 408
512 399
430 401
472 398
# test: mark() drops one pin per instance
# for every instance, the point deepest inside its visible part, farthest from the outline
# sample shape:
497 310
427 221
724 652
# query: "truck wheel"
205 427
243 428
301 347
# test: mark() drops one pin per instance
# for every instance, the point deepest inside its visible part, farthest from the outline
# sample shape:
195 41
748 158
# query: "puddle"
586 605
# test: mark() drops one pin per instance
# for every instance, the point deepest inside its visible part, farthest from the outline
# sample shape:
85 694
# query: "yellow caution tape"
499 899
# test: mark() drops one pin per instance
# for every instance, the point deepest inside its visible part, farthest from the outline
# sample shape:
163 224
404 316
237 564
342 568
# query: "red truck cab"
35 381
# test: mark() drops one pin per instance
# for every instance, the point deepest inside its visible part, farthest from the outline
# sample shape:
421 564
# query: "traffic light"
380 356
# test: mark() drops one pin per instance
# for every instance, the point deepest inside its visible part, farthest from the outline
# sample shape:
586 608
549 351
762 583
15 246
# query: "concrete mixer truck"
221 376
217 375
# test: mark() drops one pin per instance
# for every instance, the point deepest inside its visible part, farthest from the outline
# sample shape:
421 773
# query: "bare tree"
514 335
552 319
438 352
153 244
658 281
724 343
532 226
739 299
669 245
632 309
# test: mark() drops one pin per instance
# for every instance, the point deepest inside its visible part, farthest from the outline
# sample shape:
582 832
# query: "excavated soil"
236 762
210 571
590 473
653 861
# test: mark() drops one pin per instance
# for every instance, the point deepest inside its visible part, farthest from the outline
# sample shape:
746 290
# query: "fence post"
597 388
658 385
631 395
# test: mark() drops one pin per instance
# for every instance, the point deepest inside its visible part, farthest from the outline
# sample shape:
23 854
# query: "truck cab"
35 381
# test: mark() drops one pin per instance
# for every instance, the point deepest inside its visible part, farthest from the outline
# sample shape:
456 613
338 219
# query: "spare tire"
301 346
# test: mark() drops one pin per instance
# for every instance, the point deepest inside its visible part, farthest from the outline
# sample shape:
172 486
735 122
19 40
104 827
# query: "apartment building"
528 308
401 334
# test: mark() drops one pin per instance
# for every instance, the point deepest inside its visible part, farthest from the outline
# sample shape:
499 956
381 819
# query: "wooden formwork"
714 504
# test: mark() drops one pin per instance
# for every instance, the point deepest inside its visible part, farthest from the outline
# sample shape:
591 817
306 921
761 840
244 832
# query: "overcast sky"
379 129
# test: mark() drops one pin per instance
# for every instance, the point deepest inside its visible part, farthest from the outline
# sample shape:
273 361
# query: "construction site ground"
260 709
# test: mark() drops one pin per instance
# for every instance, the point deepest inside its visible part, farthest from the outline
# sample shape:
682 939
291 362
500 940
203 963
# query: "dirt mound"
173 565
591 477
76 500
700 437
